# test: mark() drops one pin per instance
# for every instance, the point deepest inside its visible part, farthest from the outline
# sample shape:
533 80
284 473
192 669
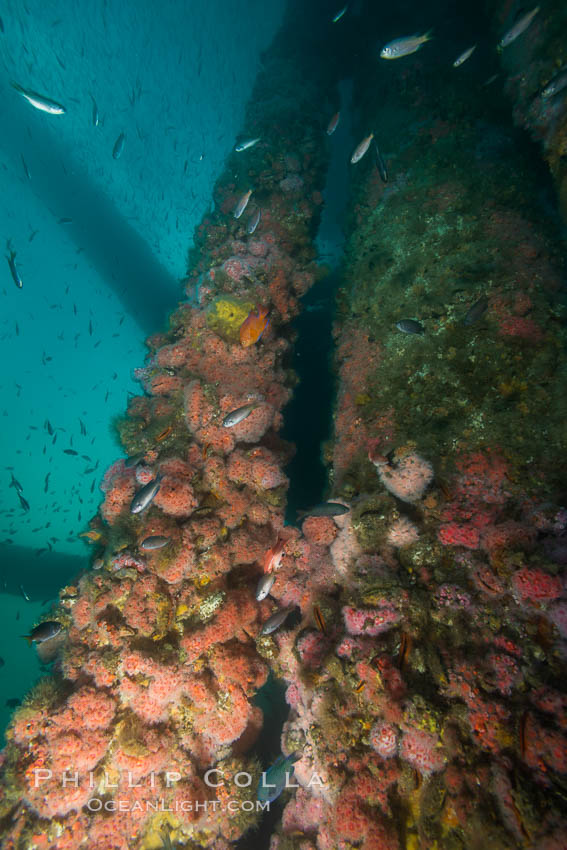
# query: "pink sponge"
384 739
370 621
175 495
78 752
320 530
95 708
402 532
228 721
304 812
408 478
198 410
259 469
422 751
456 534
53 799
535 585
119 488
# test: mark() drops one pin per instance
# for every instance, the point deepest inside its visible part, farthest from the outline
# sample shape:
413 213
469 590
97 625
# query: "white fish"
243 146
155 541
95 118
145 496
519 27
11 258
254 222
239 415
555 86
242 204
466 54
276 620
339 15
404 46
325 509
361 149
44 104
264 586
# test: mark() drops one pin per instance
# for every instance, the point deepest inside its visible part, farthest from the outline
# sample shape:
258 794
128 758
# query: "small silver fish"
26 169
235 416
11 258
95 118
242 204
276 620
339 14
23 502
519 27
156 541
15 483
39 101
466 54
119 146
254 222
146 495
404 46
243 146
556 85
325 509
410 326
361 149
264 586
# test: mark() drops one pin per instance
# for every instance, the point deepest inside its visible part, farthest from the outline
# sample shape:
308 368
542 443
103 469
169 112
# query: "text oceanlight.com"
160 805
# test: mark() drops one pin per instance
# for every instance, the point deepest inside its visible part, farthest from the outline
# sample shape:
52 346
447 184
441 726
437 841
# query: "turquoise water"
174 78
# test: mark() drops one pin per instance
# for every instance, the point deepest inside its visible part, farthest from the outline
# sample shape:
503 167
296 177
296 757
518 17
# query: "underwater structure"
535 79
433 702
174 585
418 617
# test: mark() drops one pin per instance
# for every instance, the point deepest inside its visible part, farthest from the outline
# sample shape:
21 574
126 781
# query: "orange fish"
254 326
523 724
273 556
165 433
319 619
91 535
405 649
